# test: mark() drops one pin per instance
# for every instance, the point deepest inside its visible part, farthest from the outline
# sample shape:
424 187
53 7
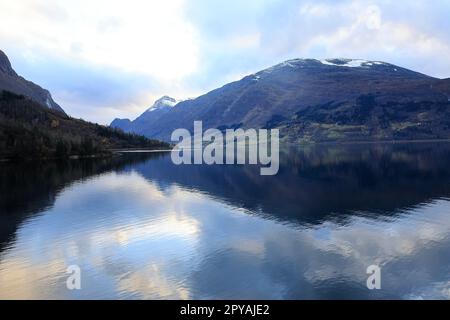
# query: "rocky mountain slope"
12 82
317 100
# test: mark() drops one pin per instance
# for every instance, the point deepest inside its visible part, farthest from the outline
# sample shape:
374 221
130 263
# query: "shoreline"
108 154
113 152
367 142
138 150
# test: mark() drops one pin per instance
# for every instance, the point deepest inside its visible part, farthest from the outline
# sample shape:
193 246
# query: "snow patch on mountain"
351 63
336 62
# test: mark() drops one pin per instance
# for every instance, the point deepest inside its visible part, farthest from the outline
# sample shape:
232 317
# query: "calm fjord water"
140 227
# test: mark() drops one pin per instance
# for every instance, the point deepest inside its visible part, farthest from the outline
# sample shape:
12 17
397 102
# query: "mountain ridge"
313 100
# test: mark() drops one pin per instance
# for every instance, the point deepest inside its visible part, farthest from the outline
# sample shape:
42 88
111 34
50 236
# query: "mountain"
318 100
122 124
32 125
164 103
30 130
12 82
149 118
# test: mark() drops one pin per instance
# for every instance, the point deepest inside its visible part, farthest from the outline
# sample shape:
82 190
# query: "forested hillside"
29 130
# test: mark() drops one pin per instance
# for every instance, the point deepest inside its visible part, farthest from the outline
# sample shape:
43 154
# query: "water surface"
140 227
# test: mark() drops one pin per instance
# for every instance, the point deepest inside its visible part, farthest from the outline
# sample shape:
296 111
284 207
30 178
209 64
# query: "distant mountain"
317 100
122 124
12 82
164 103
149 118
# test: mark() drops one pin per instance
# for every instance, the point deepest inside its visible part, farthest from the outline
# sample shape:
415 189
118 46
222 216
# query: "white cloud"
246 40
150 37
373 17
360 30
184 48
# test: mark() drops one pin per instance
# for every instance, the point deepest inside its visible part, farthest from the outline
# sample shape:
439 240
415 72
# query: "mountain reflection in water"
142 228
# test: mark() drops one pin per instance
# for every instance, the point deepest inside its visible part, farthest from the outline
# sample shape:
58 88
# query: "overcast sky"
103 59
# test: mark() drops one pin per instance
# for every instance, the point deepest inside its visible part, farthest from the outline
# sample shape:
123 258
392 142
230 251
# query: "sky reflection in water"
149 230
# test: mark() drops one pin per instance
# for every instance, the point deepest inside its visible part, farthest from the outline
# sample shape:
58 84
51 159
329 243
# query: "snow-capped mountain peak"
163 103
298 64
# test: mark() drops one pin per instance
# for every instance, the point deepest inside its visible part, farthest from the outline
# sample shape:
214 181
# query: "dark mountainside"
317 101
30 129
12 82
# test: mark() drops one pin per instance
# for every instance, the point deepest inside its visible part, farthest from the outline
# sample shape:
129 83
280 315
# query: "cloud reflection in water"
134 239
